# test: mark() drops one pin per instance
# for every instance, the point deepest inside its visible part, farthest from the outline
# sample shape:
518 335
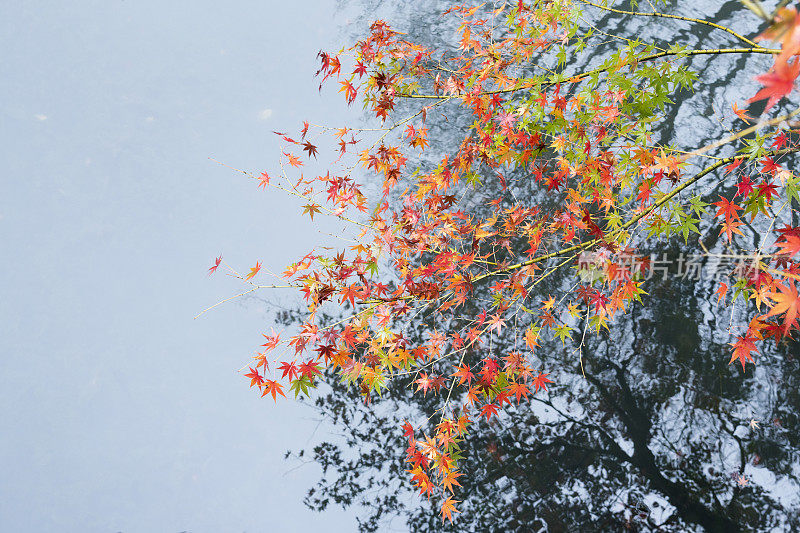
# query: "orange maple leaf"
531 338
786 301
448 507
519 390
253 271
450 480
732 221
723 289
742 114
790 244
274 388
261 360
293 160
349 91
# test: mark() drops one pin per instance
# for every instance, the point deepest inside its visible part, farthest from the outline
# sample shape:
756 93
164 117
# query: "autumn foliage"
585 140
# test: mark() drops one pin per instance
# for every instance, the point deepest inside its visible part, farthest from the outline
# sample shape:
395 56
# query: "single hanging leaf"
722 291
541 381
310 148
263 180
253 271
741 350
448 507
217 261
274 388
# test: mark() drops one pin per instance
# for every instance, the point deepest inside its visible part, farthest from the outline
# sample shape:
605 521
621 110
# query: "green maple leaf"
301 385
793 188
563 332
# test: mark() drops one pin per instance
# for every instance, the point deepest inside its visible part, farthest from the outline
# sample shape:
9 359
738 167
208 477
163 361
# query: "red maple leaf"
489 410
490 369
255 377
424 383
217 261
779 142
767 190
464 374
742 348
288 369
744 187
310 148
272 341
541 381
789 241
360 69
777 83
309 369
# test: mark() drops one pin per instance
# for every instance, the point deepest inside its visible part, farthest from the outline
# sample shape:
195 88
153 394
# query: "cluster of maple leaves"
582 140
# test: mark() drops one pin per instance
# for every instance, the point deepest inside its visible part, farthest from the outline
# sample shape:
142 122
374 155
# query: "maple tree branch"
677 17
743 133
577 77
663 200
223 301
295 193
255 288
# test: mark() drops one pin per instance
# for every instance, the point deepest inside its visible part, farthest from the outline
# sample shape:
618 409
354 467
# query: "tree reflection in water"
646 428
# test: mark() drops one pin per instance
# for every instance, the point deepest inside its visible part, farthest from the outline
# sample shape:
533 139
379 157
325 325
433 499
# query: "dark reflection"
647 428
655 437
